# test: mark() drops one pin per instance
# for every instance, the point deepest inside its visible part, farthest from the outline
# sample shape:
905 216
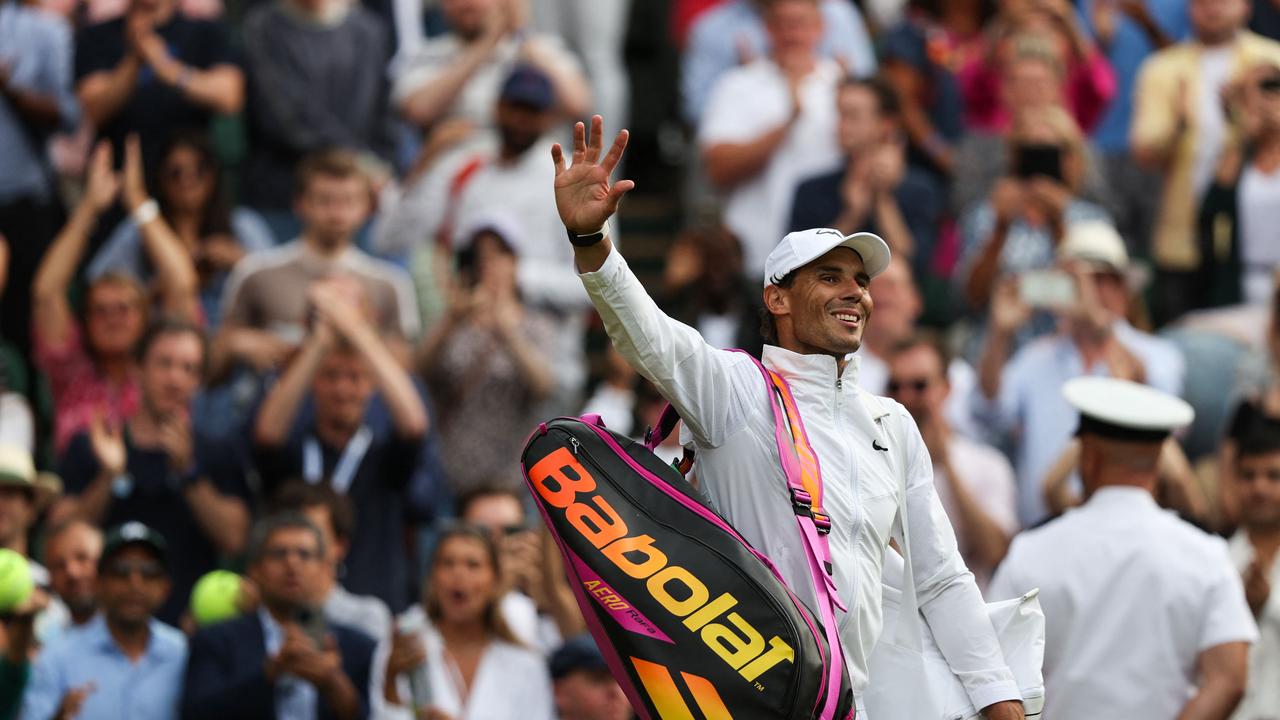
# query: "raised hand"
102 184
107 441
134 190
584 197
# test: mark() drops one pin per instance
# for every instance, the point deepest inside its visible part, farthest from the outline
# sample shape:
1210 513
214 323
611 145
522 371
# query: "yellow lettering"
710 612
599 529
652 562
695 593
778 651
734 649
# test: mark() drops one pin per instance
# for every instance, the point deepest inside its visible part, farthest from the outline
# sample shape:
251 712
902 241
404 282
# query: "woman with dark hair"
475 667
191 199
488 364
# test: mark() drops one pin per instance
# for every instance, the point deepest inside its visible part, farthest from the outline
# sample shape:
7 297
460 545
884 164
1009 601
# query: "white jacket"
723 401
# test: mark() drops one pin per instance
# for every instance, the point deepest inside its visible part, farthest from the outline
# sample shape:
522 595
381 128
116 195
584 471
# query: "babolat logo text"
566 485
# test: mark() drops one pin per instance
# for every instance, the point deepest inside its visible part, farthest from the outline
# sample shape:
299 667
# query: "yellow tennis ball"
15 580
214 597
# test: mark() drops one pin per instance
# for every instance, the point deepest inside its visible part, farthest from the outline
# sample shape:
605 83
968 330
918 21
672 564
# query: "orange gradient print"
664 693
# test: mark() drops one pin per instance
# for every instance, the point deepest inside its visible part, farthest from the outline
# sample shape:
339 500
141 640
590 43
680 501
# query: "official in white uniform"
1145 615
818 297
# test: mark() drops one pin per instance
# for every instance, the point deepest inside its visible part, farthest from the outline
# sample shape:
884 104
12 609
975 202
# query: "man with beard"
123 663
818 297
517 183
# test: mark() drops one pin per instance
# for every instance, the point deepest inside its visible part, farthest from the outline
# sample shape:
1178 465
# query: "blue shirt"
713 46
37 48
148 689
1129 48
295 698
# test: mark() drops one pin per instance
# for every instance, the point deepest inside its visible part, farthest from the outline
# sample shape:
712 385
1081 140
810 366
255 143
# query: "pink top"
78 389
1090 86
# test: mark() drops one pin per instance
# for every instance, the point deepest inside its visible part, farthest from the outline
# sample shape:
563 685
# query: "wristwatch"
585 240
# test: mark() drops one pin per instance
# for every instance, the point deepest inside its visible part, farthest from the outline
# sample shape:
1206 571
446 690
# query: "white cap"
1126 410
498 222
802 247
1094 241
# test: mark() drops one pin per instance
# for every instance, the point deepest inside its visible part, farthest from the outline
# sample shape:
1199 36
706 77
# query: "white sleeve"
948 596
1227 617
713 390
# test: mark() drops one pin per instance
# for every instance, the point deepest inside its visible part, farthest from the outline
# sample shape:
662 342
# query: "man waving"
818 301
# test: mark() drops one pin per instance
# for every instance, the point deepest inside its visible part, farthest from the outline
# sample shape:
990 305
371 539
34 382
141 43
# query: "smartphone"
1038 160
1047 289
312 623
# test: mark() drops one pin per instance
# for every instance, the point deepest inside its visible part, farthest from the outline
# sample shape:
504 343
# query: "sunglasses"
123 569
1270 85
897 386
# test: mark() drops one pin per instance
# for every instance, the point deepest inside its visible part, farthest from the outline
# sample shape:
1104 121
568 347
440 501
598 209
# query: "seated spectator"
37 101
1030 209
72 550
768 125
876 191
582 685
320 423
488 365
476 668
286 660
538 605
924 59
155 71
1030 96
157 468
704 286
736 33
1180 129
265 304
333 515
1241 209
1086 82
124 662
317 77
975 482
1255 550
96 373
1021 396
193 205
459 74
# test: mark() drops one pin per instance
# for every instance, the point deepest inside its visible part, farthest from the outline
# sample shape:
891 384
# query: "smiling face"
464 580
826 308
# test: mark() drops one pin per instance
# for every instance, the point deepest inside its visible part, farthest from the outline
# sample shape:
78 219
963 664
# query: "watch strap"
585 240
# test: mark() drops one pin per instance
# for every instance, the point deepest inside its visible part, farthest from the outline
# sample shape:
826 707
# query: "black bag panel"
689 612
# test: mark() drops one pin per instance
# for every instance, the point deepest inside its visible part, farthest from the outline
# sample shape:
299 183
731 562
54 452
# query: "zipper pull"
576 445
839 383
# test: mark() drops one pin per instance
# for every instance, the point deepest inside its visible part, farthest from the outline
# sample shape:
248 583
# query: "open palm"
584 197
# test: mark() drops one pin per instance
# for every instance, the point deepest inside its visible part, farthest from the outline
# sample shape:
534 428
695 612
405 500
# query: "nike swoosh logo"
875 445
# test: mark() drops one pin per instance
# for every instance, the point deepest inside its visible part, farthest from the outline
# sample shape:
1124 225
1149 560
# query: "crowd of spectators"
283 290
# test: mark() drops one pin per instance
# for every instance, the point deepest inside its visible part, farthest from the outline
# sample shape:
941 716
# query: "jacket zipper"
856 524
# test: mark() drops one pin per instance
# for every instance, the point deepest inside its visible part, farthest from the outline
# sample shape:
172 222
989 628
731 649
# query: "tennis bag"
687 614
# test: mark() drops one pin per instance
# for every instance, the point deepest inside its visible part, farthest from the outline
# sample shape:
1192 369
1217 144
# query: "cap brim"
873 250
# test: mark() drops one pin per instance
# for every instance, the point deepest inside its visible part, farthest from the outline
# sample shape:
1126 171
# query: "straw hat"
18 470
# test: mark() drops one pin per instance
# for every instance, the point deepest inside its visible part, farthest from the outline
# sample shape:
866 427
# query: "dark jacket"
225 671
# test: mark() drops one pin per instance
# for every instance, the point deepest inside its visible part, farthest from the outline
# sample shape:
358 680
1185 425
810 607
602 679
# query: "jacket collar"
811 371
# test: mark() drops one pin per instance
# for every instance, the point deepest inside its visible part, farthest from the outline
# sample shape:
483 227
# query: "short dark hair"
295 496
1263 440
330 162
887 100
471 497
166 326
927 339
768 323
270 525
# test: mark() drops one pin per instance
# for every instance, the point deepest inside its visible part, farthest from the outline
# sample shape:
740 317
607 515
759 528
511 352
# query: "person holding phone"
1023 220
286 660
